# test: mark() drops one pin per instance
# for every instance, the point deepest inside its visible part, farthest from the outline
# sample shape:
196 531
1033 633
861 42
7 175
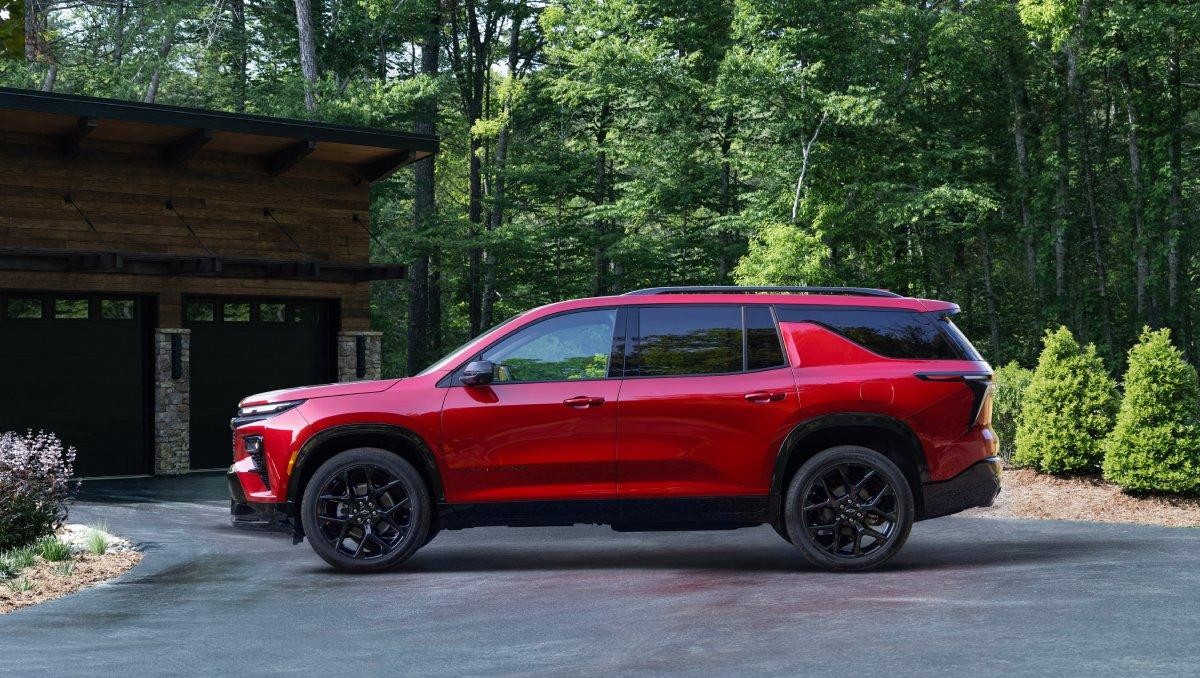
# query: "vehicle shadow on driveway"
758 556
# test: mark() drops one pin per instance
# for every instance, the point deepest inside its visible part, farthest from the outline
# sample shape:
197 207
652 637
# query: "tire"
354 510
853 494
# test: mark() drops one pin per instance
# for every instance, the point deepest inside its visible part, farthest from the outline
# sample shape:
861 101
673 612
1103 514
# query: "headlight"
268 409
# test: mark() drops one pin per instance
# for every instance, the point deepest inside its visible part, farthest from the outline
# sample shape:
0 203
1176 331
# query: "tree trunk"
497 209
119 34
308 52
1089 184
1175 197
164 50
51 77
33 9
1142 258
420 333
1020 104
1062 191
725 205
600 197
241 50
989 293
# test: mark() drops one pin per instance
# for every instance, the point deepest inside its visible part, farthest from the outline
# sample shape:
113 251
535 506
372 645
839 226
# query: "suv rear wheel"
366 509
849 508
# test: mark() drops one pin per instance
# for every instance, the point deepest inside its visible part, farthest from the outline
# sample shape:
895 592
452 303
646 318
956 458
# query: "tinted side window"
560 348
892 334
677 340
762 340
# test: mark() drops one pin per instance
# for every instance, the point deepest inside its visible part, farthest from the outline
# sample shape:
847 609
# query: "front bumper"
976 486
253 514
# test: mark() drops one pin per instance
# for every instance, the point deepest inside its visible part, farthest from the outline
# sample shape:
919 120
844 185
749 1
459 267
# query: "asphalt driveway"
967 596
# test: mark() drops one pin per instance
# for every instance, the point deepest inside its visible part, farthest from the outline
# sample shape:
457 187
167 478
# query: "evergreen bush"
1011 382
1069 408
1156 442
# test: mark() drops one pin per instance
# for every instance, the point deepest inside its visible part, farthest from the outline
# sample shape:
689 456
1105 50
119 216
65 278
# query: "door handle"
583 402
765 396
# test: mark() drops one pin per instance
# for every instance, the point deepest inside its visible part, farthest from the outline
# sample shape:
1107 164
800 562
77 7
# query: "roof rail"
737 289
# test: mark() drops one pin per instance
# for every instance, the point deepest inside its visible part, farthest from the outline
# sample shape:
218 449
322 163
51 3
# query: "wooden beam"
83 127
384 167
181 150
287 158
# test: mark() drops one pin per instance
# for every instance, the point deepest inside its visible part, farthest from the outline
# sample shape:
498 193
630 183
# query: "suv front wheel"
849 508
366 509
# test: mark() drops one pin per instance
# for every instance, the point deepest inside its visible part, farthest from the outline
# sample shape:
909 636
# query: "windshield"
462 350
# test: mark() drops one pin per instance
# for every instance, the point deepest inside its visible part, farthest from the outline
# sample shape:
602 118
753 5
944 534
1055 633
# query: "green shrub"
19 559
1070 405
97 541
35 472
53 549
1011 382
1156 442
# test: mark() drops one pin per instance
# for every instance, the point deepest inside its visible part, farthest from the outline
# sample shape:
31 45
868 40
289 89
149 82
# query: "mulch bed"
1029 494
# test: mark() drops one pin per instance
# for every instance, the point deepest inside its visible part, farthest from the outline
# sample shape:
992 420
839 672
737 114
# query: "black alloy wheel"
366 509
849 508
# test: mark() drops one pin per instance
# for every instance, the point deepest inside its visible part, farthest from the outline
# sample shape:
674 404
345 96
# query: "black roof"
377 151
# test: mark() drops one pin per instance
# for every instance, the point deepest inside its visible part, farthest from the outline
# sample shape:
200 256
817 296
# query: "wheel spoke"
856 527
858 541
871 532
858 487
380 491
825 504
837 537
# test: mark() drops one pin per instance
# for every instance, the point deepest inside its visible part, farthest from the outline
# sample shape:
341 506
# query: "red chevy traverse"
837 415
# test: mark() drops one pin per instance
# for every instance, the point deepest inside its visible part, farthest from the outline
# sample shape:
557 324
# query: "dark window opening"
238 312
271 313
116 309
892 334
688 340
71 309
763 350
201 311
304 313
23 308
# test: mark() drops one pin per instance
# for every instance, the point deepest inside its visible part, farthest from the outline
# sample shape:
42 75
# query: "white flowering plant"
35 486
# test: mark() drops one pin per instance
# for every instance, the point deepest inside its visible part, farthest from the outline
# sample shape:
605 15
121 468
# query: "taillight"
981 387
984 418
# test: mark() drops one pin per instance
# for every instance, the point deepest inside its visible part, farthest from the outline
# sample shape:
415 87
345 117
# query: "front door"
545 429
706 403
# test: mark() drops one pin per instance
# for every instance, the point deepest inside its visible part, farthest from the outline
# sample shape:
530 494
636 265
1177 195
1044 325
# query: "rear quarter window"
890 333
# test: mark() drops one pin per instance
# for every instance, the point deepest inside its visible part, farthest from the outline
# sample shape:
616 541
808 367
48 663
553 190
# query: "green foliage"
18 559
1011 382
782 254
20 585
53 549
97 542
35 472
1069 408
1156 442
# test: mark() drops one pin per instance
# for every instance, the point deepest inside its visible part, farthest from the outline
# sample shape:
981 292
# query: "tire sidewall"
420 508
793 518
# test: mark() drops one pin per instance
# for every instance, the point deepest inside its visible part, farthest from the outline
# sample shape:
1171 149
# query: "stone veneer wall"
172 404
347 355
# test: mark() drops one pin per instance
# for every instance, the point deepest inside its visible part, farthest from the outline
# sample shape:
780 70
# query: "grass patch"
97 541
65 568
19 559
53 549
22 585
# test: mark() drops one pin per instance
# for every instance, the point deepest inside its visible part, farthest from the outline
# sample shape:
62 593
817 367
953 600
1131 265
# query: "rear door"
706 402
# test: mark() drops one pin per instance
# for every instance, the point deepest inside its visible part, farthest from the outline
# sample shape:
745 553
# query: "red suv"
837 415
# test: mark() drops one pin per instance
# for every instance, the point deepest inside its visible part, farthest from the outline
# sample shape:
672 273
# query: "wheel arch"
875 431
324 444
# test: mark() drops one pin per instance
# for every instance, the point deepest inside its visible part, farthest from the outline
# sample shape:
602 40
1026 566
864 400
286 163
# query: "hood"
320 391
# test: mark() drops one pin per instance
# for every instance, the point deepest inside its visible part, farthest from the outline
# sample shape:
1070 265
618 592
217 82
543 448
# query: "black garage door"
77 365
242 346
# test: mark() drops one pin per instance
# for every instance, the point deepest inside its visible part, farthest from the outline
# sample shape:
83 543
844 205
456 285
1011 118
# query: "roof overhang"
278 143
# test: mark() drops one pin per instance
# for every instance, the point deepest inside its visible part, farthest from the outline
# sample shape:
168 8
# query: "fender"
823 422
381 432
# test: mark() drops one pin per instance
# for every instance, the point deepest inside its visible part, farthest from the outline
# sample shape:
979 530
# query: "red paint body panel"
700 436
652 437
514 442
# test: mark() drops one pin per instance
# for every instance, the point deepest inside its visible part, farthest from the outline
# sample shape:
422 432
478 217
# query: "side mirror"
478 373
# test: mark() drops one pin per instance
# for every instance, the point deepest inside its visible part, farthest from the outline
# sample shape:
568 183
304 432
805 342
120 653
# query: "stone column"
172 401
358 355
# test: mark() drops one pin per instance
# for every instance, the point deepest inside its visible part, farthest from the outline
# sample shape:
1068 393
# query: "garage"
241 346
160 263
82 355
